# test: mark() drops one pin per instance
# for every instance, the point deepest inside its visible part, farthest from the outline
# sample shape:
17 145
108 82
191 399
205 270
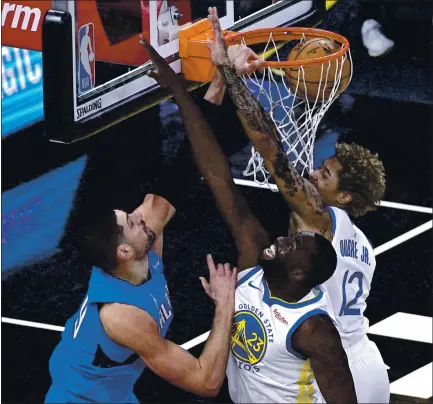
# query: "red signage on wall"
22 23
117 25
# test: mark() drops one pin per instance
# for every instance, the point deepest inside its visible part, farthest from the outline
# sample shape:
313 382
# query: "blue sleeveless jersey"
87 366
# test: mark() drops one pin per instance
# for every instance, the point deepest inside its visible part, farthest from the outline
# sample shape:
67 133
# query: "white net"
296 105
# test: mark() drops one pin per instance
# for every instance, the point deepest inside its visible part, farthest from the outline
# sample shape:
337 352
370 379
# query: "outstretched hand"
217 46
222 282
161 71
242 58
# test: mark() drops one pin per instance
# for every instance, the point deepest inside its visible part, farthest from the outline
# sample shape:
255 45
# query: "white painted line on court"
405 206
32 324
201 338
196 341
187 345
406 326
253 184
404 237
385 204
416 384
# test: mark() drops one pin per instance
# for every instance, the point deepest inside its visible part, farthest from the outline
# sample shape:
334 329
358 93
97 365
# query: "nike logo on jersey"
250 284
80 318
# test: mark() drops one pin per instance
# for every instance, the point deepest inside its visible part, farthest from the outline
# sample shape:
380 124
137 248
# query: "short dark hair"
323 262
363 175
99 240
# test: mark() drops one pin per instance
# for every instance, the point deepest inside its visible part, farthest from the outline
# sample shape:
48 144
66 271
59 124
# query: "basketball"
91 57
314 84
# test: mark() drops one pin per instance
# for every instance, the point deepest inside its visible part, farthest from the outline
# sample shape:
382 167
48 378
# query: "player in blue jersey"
120 326
278 362
348 184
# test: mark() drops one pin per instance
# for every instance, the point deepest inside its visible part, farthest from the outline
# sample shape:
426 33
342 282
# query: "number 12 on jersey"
346 307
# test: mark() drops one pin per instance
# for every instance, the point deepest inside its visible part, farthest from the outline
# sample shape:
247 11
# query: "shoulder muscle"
124 323
317 333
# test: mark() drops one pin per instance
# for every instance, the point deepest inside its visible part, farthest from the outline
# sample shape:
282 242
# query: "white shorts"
369 372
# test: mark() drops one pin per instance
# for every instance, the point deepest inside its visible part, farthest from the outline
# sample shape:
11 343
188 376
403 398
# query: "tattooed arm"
305 201
307 206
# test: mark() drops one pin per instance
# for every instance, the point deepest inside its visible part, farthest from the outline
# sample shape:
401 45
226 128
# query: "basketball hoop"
305 70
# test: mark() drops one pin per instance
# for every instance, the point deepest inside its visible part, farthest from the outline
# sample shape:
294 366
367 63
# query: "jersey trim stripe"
305 384
249 275
295 326
270 300
333 220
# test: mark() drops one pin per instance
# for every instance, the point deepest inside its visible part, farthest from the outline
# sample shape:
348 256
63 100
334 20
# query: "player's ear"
344 197
124 252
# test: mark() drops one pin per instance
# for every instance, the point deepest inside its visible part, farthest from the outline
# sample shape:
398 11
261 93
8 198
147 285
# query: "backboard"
95 68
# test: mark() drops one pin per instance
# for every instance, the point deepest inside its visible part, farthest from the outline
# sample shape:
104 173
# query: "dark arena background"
50 189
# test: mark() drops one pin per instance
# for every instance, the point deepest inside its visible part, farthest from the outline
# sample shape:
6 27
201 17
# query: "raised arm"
216 90
249 235
135 329
156 211
297 191
318 340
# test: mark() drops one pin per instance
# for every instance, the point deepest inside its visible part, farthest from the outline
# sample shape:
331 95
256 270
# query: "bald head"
305 257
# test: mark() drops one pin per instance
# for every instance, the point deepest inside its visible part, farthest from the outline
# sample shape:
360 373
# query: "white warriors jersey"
349 286
263 367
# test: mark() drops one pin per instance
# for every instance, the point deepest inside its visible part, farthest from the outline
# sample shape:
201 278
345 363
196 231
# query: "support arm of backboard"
57 60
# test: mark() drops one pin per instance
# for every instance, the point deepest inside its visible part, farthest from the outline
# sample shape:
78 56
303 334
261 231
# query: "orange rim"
288 34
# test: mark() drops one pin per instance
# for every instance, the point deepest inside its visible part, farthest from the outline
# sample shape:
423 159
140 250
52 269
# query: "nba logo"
86 69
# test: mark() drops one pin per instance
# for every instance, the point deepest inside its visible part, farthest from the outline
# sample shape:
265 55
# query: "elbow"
213 393
211 386
210 391
209 380
205 390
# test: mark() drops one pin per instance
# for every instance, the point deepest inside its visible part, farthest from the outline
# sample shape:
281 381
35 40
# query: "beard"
142 250
151 237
